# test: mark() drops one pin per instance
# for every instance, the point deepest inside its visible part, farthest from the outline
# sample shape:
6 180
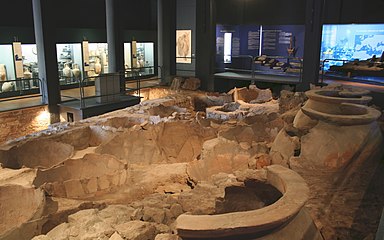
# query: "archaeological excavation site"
192 120
245 164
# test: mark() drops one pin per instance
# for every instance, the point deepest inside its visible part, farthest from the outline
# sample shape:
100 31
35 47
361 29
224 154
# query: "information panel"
283 40
250 40
274 40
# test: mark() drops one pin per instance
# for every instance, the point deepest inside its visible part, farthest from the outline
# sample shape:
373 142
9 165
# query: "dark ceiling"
138 15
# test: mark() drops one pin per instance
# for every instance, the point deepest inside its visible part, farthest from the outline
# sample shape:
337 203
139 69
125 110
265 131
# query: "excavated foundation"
170 142
36 154
19 205
83 178
165 169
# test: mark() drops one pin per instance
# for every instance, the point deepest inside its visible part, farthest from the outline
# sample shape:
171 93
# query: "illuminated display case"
18 69
139 58
353 48
69 60
98 59
7 69
127 56
252 50
30 68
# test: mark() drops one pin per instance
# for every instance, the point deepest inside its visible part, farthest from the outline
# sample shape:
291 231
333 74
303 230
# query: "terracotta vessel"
97 66
67 71
76 71
3 72
27 73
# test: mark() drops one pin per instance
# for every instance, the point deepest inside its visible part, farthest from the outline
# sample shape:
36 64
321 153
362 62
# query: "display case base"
72 110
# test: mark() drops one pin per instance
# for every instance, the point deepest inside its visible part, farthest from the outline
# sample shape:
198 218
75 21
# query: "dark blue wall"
186 20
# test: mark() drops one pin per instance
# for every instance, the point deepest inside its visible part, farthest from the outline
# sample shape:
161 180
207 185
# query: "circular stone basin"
349 114
294 192
19 205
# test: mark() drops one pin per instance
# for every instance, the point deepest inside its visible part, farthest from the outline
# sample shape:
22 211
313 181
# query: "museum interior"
192 119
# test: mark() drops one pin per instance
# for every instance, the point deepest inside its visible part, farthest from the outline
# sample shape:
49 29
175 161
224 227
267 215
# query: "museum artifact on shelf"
98 59
3 72
69 59
18 69
139 59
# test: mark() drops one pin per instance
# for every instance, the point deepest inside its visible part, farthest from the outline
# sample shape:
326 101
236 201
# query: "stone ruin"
178 167
245 102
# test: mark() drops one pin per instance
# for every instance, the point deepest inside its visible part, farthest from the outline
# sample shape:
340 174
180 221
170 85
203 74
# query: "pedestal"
107 87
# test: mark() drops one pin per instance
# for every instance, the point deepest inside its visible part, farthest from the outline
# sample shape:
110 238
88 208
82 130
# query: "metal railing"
106 86
21 85
17 89
252 68
329 60
134 80
135 72
123 83
245 61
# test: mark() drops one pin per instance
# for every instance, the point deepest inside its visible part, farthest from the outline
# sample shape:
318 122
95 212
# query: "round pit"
261 221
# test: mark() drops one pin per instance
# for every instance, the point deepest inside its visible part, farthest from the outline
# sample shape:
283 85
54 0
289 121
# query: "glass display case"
98 59
18 69
30 68
7 69
127 56
139 60
353 51
69 60
145 59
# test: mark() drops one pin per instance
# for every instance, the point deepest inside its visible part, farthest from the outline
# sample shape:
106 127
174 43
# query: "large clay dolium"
341 129
328 101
